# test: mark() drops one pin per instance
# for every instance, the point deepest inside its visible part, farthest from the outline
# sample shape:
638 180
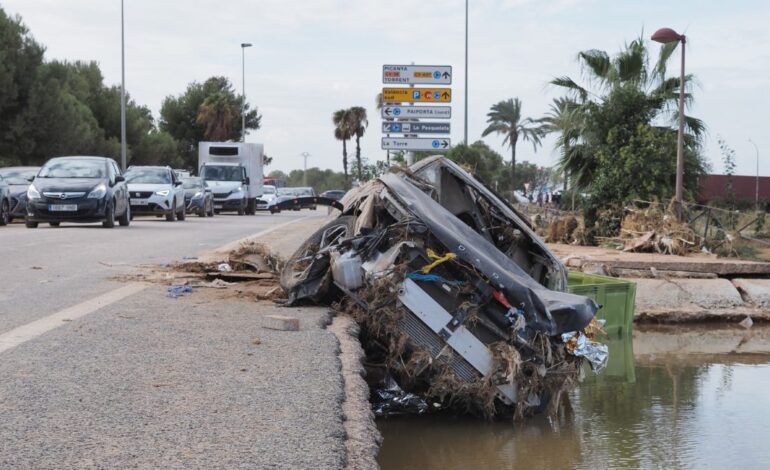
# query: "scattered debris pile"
653 229
460 303
249 271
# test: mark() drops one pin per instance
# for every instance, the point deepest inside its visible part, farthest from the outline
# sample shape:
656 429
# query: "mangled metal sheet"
458 298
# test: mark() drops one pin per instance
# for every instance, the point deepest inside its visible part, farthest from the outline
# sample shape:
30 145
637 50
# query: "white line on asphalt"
32 330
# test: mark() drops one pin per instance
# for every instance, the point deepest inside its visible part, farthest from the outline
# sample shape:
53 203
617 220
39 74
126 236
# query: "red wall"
712 186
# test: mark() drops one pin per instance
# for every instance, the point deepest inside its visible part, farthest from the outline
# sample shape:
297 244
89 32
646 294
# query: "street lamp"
304 155
465 133
122 90
665 36
756 189
244 45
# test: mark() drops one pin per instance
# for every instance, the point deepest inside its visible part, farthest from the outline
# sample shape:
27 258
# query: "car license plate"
218 206
63 207
140 202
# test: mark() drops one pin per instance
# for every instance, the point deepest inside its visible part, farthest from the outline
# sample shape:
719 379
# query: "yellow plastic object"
437 259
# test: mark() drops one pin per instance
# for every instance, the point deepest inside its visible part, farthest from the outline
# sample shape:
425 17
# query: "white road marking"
32 330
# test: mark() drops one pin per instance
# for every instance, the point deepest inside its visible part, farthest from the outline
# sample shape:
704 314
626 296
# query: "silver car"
155 190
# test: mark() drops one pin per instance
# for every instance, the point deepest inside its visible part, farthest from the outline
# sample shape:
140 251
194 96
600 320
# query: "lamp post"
123 151
756 189
465 134
304 168
665 36
244 45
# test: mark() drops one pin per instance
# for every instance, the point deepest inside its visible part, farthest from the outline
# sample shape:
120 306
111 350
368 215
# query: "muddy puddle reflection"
673 397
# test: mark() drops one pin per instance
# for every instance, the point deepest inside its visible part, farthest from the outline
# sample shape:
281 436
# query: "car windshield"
268 189
304 191
148 176
18 175
222 173
286 192
74 168
192 183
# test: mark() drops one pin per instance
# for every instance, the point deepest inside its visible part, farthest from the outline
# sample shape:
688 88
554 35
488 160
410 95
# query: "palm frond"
570 85
598 63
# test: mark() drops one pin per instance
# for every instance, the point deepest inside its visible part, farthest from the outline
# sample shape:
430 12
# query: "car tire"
54 224
5 213
125 219
109 215
251 207
242 209
211 209
171 216
202 212
30 224
339 228
182 214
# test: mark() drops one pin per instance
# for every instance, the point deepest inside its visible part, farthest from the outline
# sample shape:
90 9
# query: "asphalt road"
98 373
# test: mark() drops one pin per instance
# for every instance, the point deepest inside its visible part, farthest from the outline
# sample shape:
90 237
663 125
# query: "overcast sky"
311 57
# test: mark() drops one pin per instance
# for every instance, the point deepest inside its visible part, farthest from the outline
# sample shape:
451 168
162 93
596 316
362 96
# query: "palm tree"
563 118
220 115
628 70
358 124
343 131
505 118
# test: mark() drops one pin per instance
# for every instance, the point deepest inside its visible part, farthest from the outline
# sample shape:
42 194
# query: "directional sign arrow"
417 112
414 143
416 127
417 74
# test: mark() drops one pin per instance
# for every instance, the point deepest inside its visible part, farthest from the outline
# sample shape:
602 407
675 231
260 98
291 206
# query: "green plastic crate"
616 296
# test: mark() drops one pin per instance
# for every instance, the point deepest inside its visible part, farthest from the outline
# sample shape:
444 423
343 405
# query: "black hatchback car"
78 189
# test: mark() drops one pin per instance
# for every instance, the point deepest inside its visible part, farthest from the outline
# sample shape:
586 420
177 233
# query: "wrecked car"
459 301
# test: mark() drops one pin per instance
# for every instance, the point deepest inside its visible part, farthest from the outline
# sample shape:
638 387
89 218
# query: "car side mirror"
31 179
177 183
120 178
247 180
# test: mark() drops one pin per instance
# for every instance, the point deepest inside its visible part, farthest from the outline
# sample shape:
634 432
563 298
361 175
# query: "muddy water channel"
671 397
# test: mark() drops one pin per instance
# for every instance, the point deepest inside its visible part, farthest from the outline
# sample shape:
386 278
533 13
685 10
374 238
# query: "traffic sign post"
416 95
416 112
415 128
417 74
416 143
400 115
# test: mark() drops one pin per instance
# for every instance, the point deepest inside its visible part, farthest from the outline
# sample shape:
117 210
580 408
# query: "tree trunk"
513 166
345 160
358 155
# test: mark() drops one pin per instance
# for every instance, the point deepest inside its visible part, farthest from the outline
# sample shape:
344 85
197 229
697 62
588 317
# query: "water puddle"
671 397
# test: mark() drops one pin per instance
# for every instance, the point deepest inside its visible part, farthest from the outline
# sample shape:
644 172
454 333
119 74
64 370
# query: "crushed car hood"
550 311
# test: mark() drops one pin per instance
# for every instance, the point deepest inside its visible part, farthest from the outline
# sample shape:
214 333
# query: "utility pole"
465 135
123 150
756 189
244 45
304 170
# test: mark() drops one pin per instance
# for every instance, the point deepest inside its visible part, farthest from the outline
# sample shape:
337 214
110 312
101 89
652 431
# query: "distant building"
713 186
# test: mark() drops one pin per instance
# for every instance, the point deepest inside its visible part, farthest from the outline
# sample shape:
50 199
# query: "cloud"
311 57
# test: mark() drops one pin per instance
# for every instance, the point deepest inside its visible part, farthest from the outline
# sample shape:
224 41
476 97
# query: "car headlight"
98 192
32 192
163 192
197 195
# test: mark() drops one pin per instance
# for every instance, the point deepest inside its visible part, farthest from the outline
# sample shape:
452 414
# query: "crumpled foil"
579 345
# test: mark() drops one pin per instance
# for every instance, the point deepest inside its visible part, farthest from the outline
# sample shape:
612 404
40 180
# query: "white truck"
233 172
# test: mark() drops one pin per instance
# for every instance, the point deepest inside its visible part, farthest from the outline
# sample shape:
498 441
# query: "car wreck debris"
458 299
